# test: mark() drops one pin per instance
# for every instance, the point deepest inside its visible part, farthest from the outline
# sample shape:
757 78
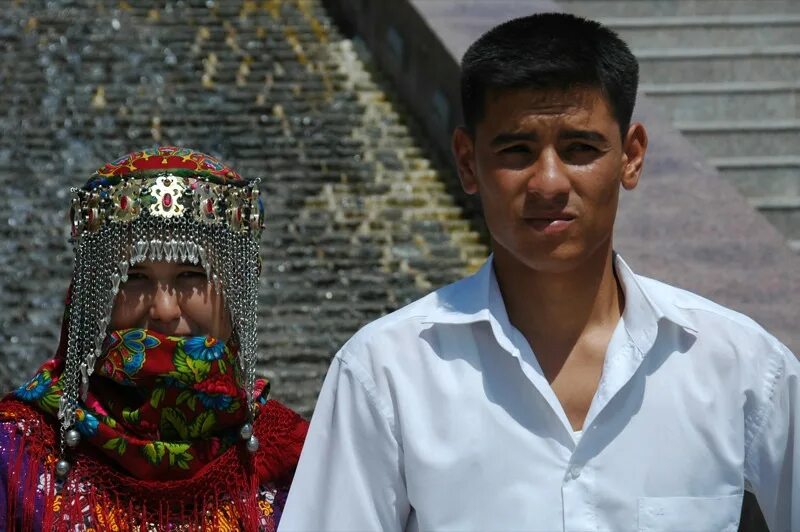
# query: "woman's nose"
165 306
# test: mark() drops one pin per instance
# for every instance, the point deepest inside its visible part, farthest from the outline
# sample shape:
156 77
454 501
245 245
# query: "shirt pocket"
690 514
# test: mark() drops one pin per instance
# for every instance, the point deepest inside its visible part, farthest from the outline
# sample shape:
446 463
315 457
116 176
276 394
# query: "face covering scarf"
159 406
165 411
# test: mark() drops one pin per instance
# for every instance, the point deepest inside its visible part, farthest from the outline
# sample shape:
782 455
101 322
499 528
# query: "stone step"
784 214
737 138
776 203
761 176
671 8
745 63
732 101
707 31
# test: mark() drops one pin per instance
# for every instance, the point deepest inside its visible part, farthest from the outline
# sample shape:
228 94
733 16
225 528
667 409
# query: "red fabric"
115 498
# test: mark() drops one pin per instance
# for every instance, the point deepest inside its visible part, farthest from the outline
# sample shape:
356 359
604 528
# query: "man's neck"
554 311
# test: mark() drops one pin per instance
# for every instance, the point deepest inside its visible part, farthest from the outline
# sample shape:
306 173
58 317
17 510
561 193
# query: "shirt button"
574 472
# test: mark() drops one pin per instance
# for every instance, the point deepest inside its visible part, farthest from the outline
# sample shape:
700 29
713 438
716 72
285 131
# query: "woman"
150 417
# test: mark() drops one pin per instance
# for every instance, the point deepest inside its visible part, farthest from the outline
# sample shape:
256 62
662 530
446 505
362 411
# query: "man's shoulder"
702 313
406 323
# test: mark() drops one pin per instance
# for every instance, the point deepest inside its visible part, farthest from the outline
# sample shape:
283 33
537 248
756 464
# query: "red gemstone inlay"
209 206
167 200
123 203
239 214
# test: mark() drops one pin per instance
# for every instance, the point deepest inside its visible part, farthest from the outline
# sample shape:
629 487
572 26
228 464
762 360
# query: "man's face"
548 166
173 299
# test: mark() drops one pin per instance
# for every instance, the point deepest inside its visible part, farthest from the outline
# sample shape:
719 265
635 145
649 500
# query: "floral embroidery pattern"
35 388
125 354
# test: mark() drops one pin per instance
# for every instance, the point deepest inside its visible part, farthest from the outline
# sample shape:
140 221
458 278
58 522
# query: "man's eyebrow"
507 138
569 134
582 134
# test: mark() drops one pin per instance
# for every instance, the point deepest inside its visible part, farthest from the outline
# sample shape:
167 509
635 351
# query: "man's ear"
464 153
634 147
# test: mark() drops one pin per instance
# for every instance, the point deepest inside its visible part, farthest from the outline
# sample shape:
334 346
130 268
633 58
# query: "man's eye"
581 148
517 148
136 276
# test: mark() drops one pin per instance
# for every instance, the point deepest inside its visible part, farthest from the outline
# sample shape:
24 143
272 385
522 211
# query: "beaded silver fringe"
102 259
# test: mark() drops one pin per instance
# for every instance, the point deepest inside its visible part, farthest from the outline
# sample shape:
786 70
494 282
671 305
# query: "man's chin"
559 260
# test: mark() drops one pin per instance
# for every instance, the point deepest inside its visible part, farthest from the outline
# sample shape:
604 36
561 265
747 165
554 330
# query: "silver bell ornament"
246 431
62 468
252 444
72 438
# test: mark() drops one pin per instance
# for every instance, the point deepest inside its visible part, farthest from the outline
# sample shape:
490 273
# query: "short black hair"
549 51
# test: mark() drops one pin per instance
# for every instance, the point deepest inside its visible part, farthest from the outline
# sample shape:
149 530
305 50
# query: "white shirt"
438 417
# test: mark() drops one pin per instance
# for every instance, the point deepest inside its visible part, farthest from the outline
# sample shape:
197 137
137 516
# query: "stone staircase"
728 74
359 220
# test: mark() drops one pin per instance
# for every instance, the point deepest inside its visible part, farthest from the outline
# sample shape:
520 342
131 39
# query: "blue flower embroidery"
204 348
85 422
136 341
215 401
35 388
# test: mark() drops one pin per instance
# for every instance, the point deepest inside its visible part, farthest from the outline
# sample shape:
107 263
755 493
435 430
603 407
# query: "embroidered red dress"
172 463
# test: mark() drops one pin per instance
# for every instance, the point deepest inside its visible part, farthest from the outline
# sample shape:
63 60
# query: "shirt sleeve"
350 472
772 465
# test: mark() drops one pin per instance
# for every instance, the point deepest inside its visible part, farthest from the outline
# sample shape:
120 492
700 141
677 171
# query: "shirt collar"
644 308
478 298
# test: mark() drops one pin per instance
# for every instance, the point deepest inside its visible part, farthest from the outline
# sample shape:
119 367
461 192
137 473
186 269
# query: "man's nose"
165 306
548 177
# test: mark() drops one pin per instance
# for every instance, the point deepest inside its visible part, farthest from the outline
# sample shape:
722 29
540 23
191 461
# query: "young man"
555 389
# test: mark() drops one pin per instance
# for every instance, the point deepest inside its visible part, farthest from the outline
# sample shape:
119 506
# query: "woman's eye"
136 276
192 275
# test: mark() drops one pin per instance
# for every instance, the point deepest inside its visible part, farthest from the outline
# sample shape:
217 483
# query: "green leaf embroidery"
154 452
158 395
49 401
199 368
192 402
202 425
173 424
131 416
178 454
233 407
222 366
116 444
183 397
181 367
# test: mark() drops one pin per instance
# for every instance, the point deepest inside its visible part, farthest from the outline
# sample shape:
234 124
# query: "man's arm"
350 472
772 464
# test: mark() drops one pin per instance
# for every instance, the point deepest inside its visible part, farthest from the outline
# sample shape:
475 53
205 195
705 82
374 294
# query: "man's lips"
549 223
